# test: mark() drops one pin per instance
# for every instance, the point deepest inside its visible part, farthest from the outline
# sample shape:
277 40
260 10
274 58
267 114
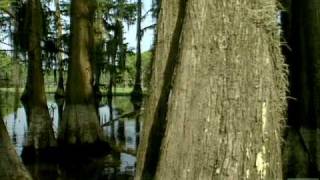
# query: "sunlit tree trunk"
302 34
40 135
221 97
165 27
80 123
11 167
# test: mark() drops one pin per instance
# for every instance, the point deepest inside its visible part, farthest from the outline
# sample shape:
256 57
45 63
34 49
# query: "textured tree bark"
11 167
80 124
40 135
302 33
221 101
168 17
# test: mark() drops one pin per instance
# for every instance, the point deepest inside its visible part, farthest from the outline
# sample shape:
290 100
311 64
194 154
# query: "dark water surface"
117 165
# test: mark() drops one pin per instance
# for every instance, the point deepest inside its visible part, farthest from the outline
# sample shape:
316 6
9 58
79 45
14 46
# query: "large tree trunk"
302 33
11 167
80 123
166 24
40 135
222 88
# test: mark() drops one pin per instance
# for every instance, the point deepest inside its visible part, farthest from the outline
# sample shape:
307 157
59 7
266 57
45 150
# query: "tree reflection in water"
119 164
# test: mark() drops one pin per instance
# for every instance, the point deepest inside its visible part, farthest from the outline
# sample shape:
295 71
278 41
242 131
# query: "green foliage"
131 68
6 66
5 4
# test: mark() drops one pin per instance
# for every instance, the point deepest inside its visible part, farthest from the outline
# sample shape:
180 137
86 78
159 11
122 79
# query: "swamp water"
119 165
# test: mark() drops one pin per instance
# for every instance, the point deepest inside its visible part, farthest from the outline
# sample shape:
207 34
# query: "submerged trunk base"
40 137
137 97
80 130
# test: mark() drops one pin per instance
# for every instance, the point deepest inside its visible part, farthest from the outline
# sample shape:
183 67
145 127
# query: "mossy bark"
221 93
40 132
80 123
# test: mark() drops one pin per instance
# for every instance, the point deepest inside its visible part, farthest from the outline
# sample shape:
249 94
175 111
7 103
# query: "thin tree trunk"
136 95
80 123
60 88
59 94
110 98
40 135
222 96
98 55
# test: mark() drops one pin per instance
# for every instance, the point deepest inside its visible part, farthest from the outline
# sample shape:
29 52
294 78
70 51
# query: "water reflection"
119 164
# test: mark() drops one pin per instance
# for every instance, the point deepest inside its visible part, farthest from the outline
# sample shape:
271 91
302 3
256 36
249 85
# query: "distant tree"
116 14
217 93
59 56
136 94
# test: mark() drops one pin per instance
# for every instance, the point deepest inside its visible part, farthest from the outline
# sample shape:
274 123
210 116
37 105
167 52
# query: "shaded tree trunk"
11 167
136 95
40 135
221 97
59 94
60 88
80 123
98 54
302 34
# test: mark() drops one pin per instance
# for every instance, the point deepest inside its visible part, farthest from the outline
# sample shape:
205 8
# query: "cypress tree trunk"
98 54
222 93
59 94
40 135
80 123
302 33
60 89
136 95
11 167
166 23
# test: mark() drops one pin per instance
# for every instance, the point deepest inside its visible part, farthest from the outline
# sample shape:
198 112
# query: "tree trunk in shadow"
110 101
301 31
11 167
121 131
136 94
40 132
137 130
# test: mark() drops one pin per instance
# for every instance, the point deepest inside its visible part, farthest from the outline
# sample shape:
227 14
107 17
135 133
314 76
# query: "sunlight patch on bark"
264 116
261 164
248 173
